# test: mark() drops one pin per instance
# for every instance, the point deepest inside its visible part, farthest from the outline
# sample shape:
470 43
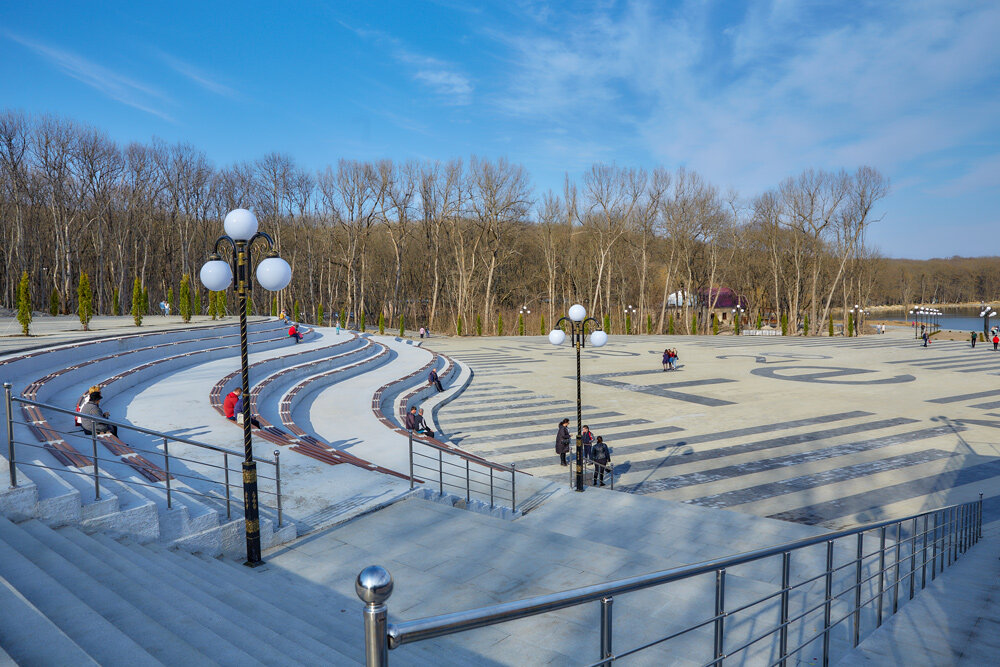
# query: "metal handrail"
469 480
955 528
166 438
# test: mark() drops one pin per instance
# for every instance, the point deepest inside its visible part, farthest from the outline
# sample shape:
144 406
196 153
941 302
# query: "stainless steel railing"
589 468
475 478
191 464
936 539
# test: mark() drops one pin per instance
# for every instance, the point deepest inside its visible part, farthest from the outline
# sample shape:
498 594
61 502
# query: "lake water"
956 319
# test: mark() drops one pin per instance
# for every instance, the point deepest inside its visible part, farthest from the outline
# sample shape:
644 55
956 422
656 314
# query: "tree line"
458 246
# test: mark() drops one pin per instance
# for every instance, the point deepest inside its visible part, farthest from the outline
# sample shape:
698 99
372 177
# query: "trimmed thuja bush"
499 324
381 324
274 306
361 322
185 296
54 302
607 323
402 327
520 324
628 324
213 311
319 315
479 326
115 302
805 325
85 301
760 320
850 324
458 326
543 326
694 323
24 304
137 311
829 328
784 324
670 325
295 312
649 324
343 318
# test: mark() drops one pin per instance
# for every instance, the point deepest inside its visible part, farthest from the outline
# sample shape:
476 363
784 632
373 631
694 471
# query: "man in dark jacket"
602 458
562 441
422 426
433 378
410 422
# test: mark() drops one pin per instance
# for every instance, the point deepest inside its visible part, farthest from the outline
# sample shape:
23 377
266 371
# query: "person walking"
928 338
666 359
562 441
974 337
996 341
422 332
93 408
602 458
433 379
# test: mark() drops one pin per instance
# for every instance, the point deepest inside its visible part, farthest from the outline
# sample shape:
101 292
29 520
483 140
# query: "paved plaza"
817 431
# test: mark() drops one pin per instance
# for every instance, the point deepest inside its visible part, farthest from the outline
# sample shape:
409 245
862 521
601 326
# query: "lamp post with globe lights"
737 317
273 273
520 315
577 320
986 313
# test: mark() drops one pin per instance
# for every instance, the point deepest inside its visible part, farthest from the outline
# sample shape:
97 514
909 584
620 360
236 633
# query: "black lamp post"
273 274
578 320
737 316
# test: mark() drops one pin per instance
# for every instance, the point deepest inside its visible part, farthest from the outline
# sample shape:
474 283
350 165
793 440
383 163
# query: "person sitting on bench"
93 408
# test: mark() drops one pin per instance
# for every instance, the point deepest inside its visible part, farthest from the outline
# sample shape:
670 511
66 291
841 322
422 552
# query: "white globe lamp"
274 274
577 313
557 336
598 338
216 275
240 224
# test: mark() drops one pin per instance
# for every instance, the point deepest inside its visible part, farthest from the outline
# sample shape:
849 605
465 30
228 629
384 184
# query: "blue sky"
745 93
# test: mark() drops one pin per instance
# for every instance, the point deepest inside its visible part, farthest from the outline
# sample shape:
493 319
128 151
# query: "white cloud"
445 79
784 87
196 75
116 86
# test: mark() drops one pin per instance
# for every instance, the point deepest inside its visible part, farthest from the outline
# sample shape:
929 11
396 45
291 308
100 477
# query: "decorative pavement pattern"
816 431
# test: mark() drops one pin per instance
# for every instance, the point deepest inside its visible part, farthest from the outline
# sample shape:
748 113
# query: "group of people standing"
594 450
669 360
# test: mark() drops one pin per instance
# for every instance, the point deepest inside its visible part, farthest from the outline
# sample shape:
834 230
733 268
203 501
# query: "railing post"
166 469
225 465
720 610
923 558
857 588
97 474
827 605
979 518
934 548
961 529
786 572
440 472
881 576
513 488
491 487
468 483
410 433
612 472
10 434
606 628
971 529
895 579
277 482
951 529
374 586
913 556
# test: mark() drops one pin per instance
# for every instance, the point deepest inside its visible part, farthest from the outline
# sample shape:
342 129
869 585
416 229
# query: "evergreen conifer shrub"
85 301
54 302
185 298
24 304
137 311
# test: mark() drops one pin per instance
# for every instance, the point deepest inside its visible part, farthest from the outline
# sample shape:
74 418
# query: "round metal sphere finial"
374 584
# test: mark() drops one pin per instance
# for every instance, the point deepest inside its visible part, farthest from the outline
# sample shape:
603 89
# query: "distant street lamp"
577 321
630 312
520 316
273 274
986 313
737 316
